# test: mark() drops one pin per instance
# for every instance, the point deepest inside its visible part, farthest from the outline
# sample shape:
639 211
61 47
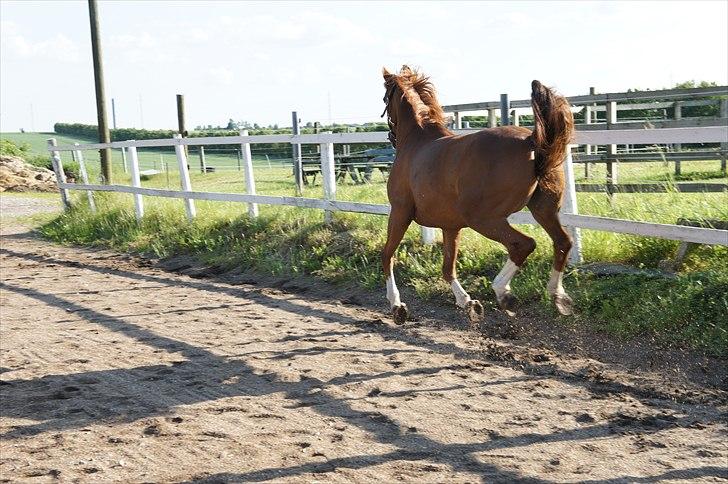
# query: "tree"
232 124
687 111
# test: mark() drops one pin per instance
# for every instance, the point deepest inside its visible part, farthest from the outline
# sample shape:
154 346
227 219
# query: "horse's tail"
553 128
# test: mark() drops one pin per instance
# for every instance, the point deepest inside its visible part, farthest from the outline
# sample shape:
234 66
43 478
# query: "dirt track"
114 370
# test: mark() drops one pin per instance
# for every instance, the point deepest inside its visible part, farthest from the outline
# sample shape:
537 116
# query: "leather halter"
387 97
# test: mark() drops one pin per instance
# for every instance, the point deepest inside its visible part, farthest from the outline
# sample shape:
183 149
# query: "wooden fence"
570 216
611 104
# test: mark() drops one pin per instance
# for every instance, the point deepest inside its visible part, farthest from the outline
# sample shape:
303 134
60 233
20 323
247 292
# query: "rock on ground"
18 176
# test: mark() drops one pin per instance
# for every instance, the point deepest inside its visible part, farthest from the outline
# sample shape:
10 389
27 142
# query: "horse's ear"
385 73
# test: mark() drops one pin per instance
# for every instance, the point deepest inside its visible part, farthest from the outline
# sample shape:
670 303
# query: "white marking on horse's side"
461 297
532 156
392 291
502 282
555 286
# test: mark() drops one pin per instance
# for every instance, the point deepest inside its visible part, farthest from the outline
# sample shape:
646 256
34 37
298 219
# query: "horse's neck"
410 134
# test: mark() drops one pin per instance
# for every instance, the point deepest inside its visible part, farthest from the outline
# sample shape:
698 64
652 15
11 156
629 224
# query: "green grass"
688 310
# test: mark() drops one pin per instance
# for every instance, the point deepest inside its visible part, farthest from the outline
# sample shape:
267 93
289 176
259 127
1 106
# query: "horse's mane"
420 93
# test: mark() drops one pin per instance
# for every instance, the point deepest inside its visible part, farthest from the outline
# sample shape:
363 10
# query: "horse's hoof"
474 311
507 302
564 304
399 313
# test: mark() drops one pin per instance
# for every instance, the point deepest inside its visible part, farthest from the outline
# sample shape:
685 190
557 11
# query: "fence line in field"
570 216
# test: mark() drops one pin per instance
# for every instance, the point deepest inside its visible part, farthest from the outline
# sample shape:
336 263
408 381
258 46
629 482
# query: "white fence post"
492 118
612 166
428 234
136 182
570 206
184 177
123 160
249 177
723 146
84 178
60 175
328 173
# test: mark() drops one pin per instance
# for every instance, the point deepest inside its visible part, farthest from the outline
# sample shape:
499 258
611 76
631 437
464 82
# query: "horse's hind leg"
450 243
545 209
399 220
519 247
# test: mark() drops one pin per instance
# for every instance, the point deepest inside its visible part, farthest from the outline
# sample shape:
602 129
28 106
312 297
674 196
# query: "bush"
10 148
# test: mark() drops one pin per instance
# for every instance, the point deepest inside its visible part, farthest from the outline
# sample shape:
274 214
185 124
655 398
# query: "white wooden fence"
570 216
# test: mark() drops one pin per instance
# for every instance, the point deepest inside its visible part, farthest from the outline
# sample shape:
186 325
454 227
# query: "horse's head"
391 86
397 89
392 89
410 95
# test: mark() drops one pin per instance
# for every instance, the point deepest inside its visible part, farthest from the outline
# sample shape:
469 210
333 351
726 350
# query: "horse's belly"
438 212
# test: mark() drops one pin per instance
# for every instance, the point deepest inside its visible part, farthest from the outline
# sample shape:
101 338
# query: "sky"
258 61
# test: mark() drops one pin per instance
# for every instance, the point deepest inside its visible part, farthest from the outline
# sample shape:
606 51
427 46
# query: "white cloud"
15 45
143 48
221 75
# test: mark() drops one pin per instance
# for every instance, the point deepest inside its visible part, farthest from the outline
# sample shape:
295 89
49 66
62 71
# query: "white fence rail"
570 217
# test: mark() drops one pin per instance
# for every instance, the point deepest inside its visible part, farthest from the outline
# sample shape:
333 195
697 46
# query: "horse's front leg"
450 243
399 220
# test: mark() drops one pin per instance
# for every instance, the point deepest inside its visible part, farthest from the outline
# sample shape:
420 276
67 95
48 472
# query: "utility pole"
181 118
181 114
100 95
113 113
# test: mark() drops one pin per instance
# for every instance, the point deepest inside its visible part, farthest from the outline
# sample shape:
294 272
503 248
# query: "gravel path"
116 371
21 206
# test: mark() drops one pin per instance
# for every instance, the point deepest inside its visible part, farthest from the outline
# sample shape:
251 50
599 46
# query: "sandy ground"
114 369
20 206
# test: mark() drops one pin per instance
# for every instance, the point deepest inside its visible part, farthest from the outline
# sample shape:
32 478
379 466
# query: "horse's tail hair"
553 128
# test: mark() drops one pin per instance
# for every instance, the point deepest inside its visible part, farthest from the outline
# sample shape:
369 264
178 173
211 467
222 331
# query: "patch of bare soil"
22 206
114 369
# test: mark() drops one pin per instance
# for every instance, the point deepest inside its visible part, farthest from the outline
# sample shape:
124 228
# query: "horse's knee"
563 245
520 250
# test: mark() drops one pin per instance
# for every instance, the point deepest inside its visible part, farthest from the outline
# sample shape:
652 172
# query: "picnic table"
359 166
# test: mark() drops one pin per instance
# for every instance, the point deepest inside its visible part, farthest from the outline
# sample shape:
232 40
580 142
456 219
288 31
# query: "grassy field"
687 308
149 159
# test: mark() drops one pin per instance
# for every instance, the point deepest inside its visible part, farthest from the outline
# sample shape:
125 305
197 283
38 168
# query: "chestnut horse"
475 180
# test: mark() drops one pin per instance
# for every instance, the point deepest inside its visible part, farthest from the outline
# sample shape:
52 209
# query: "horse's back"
489 171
